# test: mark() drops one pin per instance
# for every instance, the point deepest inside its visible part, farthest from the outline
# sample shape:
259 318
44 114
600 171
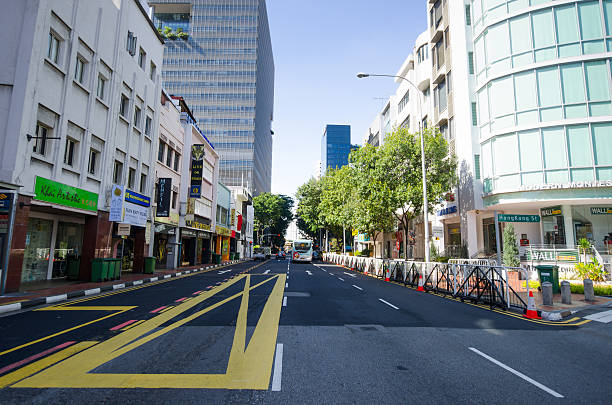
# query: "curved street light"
425 207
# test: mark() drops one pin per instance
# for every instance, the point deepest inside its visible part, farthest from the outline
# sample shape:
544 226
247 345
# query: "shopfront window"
68 244
36 254
594 223
553 226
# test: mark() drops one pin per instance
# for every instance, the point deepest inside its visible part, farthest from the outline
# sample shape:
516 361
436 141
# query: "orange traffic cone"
388 274
532 312
420 287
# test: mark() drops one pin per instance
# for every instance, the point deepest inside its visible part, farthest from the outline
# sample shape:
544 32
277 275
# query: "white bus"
302 251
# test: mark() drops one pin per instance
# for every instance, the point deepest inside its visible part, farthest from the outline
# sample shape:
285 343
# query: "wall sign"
574 184
518 218
447 211
197 164
551 211
123 229
601 210
116 204
164 187
553 255
198 225
136 208
58 193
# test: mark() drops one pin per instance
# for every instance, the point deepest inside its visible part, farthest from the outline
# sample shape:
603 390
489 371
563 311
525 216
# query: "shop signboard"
136 208
197 224
362 238
601 210
123 229
551 211
447 211
222 231
62 194
518 218
164 187
233 217
197 164
5 209
116 204
438 231
553 255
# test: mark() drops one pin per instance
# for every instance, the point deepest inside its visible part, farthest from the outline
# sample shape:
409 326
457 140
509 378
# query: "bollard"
589 294
566 293
547 295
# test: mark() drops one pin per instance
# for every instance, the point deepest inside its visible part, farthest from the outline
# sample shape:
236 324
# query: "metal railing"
475 280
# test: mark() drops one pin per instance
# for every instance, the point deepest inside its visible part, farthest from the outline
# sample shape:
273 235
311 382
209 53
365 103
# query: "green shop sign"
601 210
551 211
518 218
58 193
552 255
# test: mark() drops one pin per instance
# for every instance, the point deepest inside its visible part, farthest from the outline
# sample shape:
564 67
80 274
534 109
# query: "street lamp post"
425 206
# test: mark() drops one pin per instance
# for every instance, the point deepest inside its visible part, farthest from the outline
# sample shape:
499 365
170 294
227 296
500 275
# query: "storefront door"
488 233
37 247
68 241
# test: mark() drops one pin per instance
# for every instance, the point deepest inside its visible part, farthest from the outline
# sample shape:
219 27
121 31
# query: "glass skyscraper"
224 69
335 146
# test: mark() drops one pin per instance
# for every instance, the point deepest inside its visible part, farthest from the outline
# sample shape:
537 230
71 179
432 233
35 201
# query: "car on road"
280 255
316 255
261 253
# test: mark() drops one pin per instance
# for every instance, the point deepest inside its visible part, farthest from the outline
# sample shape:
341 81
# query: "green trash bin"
149 264
73 265
114 269
99 269
550 273
216 259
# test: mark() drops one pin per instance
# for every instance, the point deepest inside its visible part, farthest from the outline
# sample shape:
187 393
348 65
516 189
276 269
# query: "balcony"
439 21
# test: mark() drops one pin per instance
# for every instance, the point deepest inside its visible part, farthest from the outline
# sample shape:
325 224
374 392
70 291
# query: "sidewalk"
578 302
62 290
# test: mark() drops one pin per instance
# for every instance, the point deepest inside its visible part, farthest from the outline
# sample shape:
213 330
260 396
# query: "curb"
16 306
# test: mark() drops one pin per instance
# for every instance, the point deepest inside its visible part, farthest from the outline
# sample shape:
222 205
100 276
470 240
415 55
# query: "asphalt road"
294 333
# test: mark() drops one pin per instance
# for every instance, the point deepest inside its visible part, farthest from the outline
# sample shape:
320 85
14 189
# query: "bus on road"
302 251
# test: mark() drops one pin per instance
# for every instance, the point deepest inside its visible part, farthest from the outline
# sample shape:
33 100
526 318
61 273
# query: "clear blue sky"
319 46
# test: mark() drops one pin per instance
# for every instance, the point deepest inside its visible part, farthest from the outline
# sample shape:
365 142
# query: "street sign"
517 218
123 229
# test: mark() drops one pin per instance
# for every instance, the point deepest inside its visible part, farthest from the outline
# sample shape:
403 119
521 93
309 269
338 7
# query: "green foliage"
511 253
309 199
584 247
272 215
363 253
599 289
593 270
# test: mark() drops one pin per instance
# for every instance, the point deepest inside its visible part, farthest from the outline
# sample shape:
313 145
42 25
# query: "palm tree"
584 246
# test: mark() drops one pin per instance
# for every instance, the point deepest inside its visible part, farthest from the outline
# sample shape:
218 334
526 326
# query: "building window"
404 101
177 159
148 122
160 152
131 43
169 158
474 115
101 87
468 15
131 177
53 48
125 104
137 114
93 158
143 183
70 151
471 62
174 193
40 144
142 57
79 70
153 71
477 167
117 172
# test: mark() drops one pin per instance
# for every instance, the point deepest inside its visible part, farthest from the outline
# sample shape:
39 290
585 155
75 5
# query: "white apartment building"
522 91
79 88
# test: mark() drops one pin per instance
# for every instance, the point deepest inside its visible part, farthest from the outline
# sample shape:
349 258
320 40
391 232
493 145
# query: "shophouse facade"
198 192
79 100
242 227
223 232
168 181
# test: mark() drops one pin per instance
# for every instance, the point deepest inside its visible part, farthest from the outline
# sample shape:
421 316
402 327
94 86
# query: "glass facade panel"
502 97
604 173
543 33
548 87
567 24
590 20
37 249
573 83
598 85
602 143
531 150
607 8
504 146
557 176
555 154
526 97
520 34
498 43
582 174
579 146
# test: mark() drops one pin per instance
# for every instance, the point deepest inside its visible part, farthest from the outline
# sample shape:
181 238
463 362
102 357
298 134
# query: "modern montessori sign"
517 218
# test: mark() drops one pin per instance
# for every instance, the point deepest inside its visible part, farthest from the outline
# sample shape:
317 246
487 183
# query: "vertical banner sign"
197 163
116 204
163 201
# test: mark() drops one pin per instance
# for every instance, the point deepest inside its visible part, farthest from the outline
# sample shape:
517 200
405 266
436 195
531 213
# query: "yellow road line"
93 308
35 367
248 368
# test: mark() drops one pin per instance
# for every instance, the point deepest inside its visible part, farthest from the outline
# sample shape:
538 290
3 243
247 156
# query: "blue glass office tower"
335 146
225 72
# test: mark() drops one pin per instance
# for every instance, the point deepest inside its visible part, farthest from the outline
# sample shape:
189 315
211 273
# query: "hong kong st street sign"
518 218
